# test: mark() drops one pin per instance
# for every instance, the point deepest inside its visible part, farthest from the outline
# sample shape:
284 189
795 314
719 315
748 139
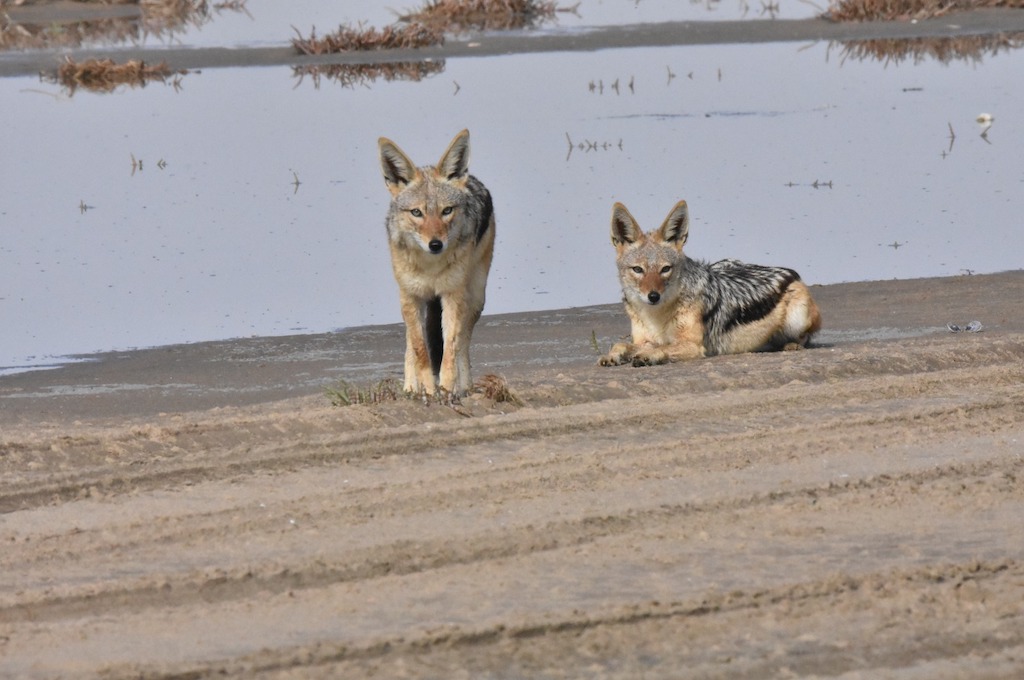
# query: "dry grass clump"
351 75
347 394
483 15
348 38
105 75
944 50
883 10
495 388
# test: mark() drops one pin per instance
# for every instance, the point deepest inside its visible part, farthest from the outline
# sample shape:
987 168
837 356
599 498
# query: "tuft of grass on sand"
888 10
354 38
105 75
348 394
495 388
484 15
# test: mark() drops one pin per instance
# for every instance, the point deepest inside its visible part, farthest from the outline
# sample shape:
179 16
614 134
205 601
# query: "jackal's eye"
448 210
666 269
416 212
638 270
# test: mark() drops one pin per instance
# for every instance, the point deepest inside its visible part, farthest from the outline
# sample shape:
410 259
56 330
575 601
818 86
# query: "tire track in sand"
878 493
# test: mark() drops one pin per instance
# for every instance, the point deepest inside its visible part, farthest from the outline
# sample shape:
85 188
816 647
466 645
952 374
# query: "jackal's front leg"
457 320
621 353
652 355
687 342
419 374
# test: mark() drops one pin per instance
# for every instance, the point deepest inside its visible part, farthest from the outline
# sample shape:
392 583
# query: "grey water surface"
248 201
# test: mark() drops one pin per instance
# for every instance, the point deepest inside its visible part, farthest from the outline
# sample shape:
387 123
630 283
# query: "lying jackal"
685 309
441 233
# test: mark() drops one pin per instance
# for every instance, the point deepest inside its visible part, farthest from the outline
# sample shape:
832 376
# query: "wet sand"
850 510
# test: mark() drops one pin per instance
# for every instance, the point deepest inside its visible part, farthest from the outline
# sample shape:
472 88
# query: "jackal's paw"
418 388
454 386
621 353
650 357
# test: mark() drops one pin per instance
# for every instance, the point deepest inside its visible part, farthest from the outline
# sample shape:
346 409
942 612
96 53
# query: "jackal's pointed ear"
676 227
454 164
625 229
398 169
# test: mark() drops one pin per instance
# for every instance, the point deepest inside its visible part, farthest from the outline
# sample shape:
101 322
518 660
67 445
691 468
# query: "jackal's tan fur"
681 308
441 233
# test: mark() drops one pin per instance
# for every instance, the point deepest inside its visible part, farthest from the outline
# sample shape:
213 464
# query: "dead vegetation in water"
356 38
37 24
485 15
352 75
944 50
889 10
106 75
425 27
349 38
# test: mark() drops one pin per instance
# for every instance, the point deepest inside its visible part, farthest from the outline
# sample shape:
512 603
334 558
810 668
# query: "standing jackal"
685 309
441 234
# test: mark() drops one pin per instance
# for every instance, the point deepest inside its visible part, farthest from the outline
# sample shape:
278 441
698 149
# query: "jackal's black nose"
653 297
435 245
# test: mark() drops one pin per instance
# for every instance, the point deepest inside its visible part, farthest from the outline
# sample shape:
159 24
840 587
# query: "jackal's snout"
435 245
654 297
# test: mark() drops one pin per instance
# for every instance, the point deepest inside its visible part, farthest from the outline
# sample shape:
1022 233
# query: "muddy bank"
200 376
850 509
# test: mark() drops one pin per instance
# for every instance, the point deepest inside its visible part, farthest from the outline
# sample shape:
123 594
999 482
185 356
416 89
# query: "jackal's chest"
426 274
661 324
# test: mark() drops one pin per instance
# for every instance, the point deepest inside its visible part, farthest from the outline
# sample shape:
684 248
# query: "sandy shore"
852 510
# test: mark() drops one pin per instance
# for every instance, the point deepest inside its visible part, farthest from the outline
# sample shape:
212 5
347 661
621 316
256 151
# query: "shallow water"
271 22
787 153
